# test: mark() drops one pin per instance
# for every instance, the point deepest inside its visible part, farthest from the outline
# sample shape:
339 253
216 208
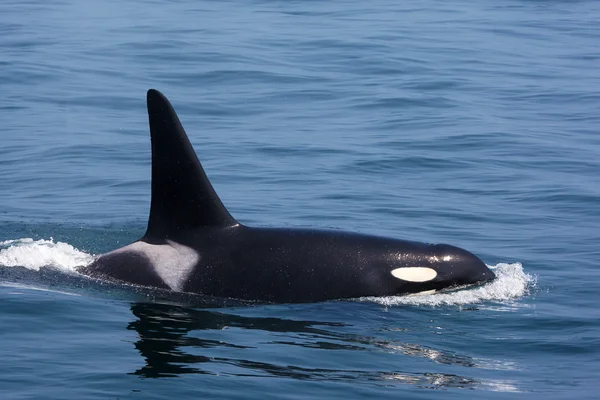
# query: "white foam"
35 254
511 283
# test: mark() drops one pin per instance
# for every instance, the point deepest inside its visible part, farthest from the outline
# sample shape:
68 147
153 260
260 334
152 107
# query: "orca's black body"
193 244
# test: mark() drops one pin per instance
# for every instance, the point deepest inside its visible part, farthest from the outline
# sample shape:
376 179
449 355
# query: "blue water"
466 122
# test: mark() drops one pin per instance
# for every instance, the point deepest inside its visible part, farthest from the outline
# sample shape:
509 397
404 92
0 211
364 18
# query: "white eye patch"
414 274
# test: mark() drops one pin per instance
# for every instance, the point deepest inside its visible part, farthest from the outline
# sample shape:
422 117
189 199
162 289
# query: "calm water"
467 122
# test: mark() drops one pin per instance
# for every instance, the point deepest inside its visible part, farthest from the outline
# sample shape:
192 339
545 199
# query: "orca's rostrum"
193 244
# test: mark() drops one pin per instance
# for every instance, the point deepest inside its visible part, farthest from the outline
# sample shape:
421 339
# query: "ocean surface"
473 123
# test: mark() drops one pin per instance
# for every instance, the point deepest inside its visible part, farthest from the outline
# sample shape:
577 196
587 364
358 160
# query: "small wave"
35 254
511 283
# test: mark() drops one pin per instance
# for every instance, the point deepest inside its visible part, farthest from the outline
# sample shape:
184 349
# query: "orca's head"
456 266
441 266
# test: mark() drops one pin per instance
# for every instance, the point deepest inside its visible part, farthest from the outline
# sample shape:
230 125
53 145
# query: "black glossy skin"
297 265
267 264
286 265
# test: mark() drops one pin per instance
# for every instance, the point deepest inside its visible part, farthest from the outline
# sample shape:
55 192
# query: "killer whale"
193 244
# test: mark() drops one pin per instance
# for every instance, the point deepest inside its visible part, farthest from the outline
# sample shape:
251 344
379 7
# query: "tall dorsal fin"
182 196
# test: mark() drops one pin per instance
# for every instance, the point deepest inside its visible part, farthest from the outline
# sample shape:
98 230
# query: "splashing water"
35 254
511 282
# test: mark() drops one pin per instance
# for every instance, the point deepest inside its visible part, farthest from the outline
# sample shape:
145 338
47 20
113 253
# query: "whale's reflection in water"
176 340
